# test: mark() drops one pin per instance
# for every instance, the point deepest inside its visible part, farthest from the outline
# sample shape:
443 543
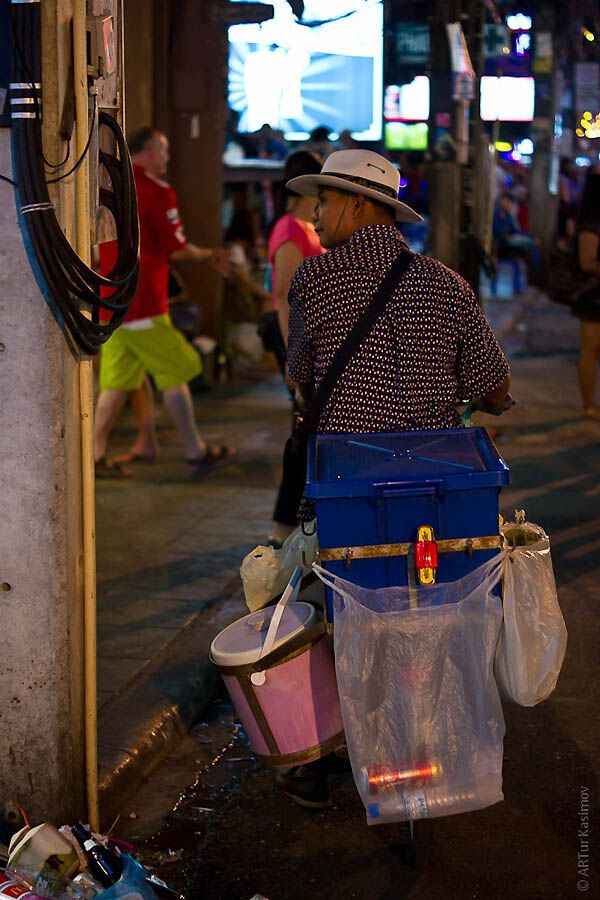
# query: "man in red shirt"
147 341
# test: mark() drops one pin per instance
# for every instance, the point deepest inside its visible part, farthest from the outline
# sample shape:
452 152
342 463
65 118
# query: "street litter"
172 856
75 863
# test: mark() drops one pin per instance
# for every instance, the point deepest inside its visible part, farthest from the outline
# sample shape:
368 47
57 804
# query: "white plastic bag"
533 637
420 706
265 572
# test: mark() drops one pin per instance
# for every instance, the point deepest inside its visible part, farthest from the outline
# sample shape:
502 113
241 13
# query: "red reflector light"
426 555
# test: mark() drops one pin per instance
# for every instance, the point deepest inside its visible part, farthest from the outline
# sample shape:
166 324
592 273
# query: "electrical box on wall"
105 76
5 51
103 51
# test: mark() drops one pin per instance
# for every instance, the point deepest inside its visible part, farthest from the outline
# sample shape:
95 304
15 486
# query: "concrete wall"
41 730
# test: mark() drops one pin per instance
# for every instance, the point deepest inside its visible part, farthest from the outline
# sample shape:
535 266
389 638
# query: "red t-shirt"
303 234
161 233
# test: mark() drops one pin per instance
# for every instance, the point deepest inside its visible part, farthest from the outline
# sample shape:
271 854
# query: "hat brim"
308 186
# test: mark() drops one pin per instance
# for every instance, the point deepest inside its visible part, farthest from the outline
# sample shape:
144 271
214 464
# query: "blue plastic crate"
380 488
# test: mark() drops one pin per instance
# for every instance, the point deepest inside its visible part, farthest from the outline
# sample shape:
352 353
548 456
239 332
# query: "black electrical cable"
84 152
34 92
71 285
63 162
8 180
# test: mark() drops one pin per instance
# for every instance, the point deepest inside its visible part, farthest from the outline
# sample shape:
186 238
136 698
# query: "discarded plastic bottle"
105 865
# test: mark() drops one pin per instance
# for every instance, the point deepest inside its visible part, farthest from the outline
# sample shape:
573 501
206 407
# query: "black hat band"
364 182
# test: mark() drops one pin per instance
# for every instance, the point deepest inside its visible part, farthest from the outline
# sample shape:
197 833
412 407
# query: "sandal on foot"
111 468
133 457
213 456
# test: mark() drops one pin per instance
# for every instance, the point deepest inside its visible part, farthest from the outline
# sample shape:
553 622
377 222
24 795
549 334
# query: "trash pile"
74 863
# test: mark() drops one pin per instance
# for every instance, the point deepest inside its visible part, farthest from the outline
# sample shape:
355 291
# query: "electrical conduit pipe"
86 403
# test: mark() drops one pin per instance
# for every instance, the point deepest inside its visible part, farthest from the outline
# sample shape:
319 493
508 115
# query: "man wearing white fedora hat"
430 347
380 339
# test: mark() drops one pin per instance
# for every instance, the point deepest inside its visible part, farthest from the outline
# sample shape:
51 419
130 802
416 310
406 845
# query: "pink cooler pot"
294 716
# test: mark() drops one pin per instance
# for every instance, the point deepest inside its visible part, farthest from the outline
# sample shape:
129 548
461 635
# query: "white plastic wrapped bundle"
265 571
533 637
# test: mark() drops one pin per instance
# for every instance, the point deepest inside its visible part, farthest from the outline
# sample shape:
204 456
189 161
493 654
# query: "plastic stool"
517 277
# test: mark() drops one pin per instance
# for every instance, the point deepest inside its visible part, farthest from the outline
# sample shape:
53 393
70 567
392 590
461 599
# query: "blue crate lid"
341 465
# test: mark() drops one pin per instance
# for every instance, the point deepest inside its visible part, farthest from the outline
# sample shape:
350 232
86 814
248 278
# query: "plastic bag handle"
291 592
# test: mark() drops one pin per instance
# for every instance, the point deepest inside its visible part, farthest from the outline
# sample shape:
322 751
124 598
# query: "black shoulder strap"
355 338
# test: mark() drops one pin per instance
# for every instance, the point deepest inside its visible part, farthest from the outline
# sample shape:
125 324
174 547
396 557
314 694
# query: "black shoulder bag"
295 454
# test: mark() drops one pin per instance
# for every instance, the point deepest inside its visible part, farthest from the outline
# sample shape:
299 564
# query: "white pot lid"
241 642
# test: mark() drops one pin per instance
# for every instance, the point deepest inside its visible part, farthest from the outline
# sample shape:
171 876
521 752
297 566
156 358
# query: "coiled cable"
74 290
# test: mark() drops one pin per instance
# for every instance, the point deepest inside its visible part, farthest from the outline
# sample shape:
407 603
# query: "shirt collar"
376 246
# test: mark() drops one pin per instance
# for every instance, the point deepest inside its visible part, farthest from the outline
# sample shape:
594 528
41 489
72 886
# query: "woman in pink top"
292 237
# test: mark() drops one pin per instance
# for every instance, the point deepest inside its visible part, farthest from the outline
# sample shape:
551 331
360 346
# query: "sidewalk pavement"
169 548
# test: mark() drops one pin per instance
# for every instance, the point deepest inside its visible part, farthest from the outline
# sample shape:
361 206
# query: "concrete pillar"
198 98
445 192
139 58
443 172
41 717
543 204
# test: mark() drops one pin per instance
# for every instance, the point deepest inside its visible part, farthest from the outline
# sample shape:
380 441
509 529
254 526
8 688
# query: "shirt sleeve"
167 223
482 366
300 358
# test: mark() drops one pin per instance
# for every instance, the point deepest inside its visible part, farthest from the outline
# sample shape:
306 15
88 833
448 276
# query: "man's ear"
358 205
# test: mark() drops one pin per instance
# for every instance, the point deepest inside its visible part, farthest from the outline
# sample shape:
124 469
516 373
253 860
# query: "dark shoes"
305 787
309 785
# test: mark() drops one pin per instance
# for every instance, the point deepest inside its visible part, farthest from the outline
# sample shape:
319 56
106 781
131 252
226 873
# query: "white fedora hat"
358 172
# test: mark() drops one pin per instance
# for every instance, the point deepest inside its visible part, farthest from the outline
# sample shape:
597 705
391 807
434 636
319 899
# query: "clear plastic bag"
420 706
266 572
533 637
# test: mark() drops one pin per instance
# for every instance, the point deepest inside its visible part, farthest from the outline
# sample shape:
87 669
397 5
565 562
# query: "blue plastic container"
380 488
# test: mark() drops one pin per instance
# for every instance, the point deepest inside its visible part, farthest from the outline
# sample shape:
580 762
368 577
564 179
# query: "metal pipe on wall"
86 399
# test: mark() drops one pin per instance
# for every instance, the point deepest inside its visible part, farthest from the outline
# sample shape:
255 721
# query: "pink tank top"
303 234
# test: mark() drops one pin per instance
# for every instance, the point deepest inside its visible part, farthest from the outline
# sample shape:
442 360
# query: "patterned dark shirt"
431 348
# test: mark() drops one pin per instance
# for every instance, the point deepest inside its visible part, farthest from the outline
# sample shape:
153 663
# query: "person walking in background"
587 305
147 341
292 238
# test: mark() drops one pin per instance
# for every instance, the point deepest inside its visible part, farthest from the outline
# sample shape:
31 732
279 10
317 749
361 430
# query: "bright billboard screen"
507 99
325 69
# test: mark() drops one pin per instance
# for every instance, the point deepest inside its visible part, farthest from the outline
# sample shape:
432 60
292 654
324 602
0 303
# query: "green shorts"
159 349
